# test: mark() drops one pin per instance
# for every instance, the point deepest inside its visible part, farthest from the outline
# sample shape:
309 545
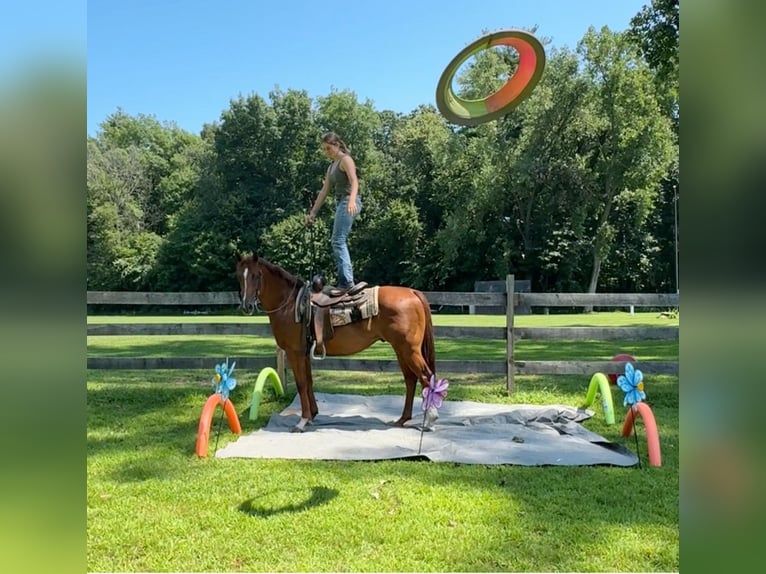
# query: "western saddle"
318 321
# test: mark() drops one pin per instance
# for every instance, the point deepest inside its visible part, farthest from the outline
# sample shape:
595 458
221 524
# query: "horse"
403 320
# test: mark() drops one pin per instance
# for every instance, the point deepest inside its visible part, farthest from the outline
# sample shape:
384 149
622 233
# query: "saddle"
329 296
321 301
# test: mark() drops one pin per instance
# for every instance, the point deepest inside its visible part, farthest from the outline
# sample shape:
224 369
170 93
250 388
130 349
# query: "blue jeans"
340 230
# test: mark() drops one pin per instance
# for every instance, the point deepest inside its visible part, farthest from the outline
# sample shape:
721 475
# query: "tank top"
339 183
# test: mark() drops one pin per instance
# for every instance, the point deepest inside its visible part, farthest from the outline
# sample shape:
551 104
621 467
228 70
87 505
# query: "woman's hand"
310 218
351 208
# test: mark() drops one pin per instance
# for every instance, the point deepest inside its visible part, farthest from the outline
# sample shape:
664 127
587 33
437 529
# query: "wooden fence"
510 366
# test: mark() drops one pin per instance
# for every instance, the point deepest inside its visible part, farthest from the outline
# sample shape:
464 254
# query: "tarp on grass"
355 427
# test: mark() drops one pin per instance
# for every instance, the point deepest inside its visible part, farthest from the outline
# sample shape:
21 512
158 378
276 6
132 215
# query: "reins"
311 233
258 298
282 306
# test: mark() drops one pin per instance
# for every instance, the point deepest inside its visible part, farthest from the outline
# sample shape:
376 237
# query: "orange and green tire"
473 112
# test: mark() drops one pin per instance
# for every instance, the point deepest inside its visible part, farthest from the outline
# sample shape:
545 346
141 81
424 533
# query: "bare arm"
347 164
319 201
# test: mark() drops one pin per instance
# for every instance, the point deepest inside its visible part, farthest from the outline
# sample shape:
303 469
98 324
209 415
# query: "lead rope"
311 233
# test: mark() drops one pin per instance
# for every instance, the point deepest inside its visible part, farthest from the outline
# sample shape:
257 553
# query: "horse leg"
314 409
414 367
410 382
302 372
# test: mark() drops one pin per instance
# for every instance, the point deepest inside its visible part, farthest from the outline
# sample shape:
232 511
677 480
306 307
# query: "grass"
478 349
596 319
154 506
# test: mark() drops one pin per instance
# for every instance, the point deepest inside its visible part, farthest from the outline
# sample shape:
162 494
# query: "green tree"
140 174
633 145
388 249
296 152
655 29
544 182
168 157
299 249
120 249
419 157
252 179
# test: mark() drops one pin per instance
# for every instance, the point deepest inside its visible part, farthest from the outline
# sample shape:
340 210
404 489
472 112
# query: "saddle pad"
366 308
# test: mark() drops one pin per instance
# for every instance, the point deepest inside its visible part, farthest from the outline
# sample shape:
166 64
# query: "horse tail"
427 346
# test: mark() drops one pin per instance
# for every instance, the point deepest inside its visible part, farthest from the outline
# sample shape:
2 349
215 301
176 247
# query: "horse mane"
279 272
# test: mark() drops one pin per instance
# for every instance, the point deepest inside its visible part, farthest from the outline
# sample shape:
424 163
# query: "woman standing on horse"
341 179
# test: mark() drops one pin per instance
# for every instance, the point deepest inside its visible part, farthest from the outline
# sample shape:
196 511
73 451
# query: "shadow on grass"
319 495
149 468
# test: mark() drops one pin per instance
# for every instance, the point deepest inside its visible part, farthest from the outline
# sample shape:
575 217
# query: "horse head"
249 277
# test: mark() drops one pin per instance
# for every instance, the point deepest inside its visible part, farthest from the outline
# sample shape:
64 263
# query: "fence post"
281 357
509 308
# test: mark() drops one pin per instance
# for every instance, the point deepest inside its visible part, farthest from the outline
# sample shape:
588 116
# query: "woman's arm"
347 165
319 200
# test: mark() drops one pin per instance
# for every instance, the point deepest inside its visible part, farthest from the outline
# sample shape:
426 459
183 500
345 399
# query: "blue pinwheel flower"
223 381
632 385
434 393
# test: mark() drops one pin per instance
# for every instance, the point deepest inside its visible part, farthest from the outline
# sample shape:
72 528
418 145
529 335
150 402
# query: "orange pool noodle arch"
650 426
206 419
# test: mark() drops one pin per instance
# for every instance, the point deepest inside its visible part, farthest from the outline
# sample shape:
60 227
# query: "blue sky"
183 61
41 31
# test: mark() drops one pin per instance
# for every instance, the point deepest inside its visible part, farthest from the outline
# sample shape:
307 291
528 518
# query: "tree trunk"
593 278
600 243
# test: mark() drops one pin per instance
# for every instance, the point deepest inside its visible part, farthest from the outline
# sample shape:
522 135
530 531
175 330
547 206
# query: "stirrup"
313 348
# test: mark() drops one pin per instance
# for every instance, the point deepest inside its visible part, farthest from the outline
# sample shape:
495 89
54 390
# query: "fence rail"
510 366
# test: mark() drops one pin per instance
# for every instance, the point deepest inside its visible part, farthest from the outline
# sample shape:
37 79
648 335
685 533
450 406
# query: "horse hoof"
296 429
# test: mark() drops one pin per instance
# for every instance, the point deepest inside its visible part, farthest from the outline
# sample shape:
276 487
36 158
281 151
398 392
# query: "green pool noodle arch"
266 373
601 383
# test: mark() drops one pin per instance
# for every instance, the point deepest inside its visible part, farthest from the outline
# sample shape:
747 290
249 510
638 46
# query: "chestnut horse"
403 320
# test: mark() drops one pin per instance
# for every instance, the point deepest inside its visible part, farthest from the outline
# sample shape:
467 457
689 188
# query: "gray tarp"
353 427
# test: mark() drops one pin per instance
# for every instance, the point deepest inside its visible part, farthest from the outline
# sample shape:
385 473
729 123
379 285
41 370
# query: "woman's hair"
334 139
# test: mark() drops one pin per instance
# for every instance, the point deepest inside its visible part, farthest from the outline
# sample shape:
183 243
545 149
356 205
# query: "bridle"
256 303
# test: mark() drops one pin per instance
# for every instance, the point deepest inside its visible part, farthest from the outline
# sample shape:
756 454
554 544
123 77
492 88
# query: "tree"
140 174
545 182
655 29
389 248
298 248
633 144
168 157
121 250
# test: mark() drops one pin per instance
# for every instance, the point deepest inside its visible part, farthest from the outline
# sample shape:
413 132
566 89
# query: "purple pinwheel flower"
223 381
434 393
632 384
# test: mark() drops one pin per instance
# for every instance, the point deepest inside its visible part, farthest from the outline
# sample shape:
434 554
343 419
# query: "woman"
341 179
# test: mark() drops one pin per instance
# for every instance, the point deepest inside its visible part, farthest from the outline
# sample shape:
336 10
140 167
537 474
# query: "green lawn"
596 319
154 506
478 349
